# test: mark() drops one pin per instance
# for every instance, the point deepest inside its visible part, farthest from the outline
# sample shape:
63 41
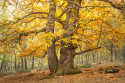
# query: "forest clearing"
88 75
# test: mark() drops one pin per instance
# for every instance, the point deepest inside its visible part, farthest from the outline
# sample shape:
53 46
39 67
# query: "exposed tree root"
63 71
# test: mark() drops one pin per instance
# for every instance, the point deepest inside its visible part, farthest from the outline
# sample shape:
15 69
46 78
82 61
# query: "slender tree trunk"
11 64
101 56
77 59
111 51
5 63
93 57
32 62
15 60
25 61
39 64
2 64
86 58
22 63
97 57
82 59
106 54
123 11
115 53
123 53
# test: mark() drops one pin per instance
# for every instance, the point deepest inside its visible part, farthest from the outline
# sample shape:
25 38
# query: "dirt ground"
88 75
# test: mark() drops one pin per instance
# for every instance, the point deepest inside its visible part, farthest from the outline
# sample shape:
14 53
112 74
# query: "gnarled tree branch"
117 6
78 53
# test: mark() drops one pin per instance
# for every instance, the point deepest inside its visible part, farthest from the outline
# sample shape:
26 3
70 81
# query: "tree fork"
67 53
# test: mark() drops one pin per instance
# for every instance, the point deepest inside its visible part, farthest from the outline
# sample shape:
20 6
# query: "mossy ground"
67 71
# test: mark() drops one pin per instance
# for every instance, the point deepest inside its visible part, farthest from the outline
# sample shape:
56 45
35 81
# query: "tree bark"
2 64
82 59
22 62
32 62
123 53
15 60
93 56
111 51
25 61
52 58
67 55
66 65
77 59
86 62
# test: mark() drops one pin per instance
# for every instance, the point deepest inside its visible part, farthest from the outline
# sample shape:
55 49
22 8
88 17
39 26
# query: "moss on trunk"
66 70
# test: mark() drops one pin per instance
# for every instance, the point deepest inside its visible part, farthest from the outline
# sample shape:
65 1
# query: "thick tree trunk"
52 59
51 51
67 53
66 65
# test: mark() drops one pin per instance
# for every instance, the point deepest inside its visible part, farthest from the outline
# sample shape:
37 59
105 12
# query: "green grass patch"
29 75
85 66
101 72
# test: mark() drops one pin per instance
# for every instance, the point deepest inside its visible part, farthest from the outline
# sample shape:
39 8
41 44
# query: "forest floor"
88 75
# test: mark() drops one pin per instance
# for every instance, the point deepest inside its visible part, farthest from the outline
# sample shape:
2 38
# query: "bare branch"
11 22
74 4
17 36
35 51
64 11
78 53
35 31
117 6
66 34
60 21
